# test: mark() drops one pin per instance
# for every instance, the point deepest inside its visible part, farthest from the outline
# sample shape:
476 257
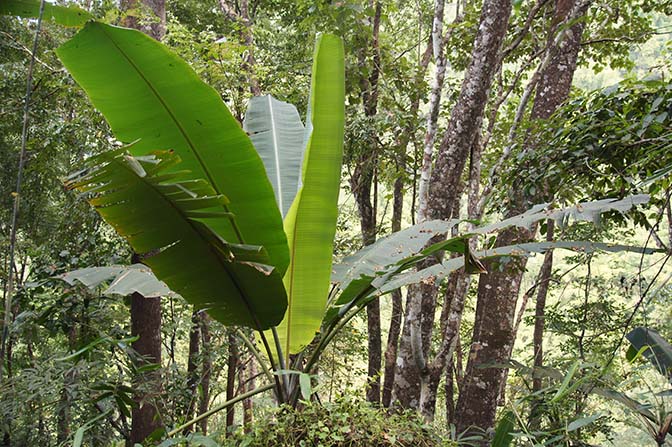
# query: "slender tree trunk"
397 213
248 404
397 308
146 311
192 367
440 60
361 182
445 189
498 290
233 365
543 281
206 355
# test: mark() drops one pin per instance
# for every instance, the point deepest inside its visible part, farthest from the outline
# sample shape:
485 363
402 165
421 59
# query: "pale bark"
445 189
455 297
440 61
397 211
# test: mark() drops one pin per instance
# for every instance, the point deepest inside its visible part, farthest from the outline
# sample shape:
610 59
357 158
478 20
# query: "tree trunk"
445 186
248 404
233 364
206 355
146 325
192 368
397 213
498 290
539 319
361 182
440 60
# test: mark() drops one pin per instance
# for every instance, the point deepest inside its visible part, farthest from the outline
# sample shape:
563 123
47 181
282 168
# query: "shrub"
346 422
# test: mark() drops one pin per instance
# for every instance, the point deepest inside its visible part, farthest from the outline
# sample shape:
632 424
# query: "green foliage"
654 347
310 223
171 221
67 16
345 422
149 94
607 142
277 133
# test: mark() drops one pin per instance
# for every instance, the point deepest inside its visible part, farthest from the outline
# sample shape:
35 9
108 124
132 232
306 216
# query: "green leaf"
660 352
277 134
78 439
79 436
582 422
389 250
373 271
63 15
564 386
233 282
197 439
633 354
440 271
310 223
626 401
503 436
305 385
148 93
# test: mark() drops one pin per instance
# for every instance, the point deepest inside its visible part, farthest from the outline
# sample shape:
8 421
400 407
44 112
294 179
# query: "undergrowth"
343 423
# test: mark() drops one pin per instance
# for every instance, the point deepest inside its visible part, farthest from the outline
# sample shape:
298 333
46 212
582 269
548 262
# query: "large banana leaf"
370 286
168 223
383 266
148 93
387 252
63 15
440 271
310 223
277 134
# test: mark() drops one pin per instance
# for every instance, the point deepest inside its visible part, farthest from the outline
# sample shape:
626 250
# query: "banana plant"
191 194
242 226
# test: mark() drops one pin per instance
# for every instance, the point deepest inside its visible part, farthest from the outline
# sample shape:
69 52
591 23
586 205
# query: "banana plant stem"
255 352
334 329
281 358
220 407
280 391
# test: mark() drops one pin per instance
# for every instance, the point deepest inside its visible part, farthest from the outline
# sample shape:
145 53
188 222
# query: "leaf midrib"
276 154
178 125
